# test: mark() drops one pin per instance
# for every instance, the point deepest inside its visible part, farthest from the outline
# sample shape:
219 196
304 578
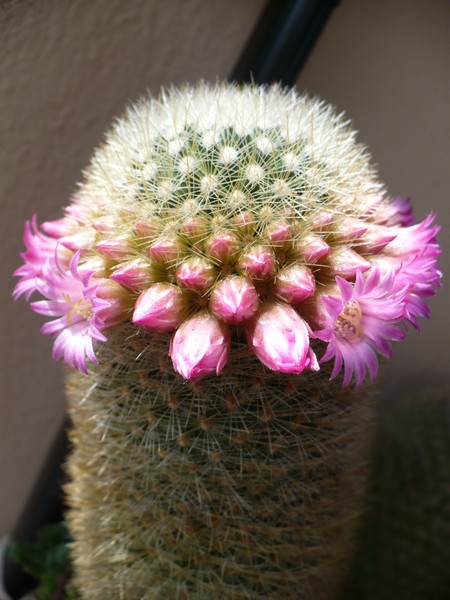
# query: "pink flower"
75 302
160 308
411 240
295 284
39 247
361 323
403 211
200 346
280 339
234 300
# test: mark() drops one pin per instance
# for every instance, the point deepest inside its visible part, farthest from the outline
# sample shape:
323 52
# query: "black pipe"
282 40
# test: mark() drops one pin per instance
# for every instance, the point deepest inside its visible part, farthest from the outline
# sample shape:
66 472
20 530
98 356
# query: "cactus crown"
226 213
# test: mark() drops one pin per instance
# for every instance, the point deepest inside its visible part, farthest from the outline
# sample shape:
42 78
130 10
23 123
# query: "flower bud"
222 246
234 300
322 220
347 229
115 248
200 346
279 232
165 250
345 262
194 228
258 262
312 248
59 228
146 227
79 241
117 299
160 308
280 339
244 221
295 284
376 238
196 274
136 275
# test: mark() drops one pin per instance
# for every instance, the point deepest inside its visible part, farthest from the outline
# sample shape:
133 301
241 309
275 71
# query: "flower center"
81 308
348 324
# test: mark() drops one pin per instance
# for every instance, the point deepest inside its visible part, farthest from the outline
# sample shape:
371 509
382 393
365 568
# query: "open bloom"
280 339
200 346
75 302
39 247
361 322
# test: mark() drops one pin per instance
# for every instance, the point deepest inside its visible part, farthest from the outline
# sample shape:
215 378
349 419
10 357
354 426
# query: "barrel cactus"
222 283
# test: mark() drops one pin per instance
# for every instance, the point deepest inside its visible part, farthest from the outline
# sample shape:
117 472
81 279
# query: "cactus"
404 547
222 241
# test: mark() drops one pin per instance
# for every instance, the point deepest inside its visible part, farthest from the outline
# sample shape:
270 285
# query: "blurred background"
67 69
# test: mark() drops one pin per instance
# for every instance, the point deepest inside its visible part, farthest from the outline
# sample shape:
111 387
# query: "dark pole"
282 41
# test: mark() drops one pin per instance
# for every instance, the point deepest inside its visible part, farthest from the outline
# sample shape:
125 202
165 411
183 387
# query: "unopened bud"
200 346
345 262
295 284
222 246
136 275
258 262
196 274
160 308
165 250
234 300
311 249
116 248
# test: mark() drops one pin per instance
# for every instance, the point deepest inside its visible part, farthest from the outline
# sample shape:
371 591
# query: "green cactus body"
246 484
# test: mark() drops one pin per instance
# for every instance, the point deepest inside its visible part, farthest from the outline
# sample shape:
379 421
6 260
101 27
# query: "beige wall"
68 67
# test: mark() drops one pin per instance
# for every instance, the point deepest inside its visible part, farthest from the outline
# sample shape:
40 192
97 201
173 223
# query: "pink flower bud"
279 232
322 220
345 262
79 241
165 250
104 224
222 246
234 300
244 221
59 228
312 248
258 262
196 274
146 227
315 311
347 229
295 284
376 238
200 346
117 298
194 228
115 248
280 339
160 308
136 275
